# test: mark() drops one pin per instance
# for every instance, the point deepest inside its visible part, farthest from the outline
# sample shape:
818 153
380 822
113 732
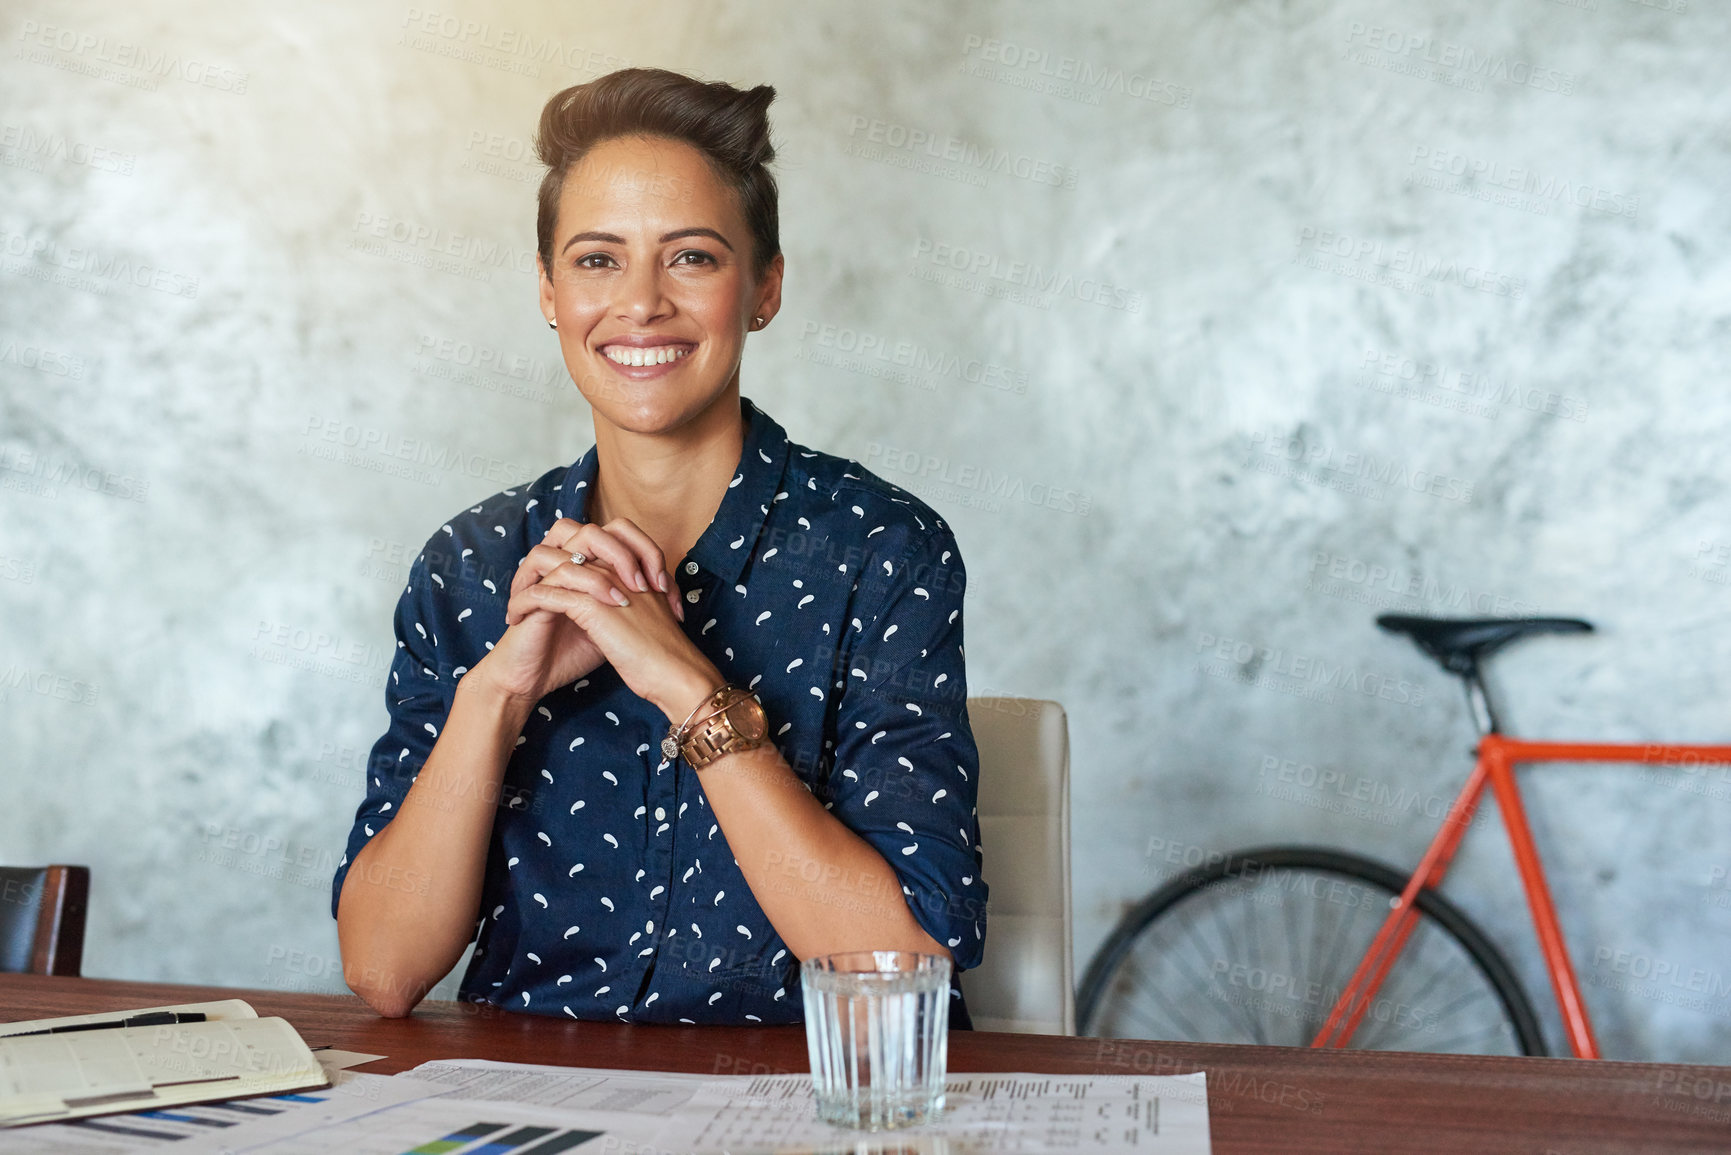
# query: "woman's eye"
594 261
693 257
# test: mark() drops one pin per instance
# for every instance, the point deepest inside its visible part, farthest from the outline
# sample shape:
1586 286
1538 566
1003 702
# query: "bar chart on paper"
484 1138
145 1130
431 1127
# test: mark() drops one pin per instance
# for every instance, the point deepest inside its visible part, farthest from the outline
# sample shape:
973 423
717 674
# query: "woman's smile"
643 357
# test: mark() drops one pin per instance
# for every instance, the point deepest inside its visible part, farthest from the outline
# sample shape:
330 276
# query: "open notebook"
233 1053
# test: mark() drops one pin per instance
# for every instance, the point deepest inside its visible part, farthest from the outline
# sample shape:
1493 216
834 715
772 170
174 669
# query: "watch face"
748 720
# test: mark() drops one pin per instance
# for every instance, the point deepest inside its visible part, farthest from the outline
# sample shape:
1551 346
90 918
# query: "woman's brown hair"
728 125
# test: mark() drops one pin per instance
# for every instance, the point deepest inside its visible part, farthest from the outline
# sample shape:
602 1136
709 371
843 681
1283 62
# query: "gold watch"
733 720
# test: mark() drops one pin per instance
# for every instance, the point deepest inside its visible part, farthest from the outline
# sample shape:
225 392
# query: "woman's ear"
769 291
546 292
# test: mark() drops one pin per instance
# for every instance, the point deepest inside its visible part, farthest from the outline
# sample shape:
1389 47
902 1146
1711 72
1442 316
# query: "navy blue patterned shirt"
610 891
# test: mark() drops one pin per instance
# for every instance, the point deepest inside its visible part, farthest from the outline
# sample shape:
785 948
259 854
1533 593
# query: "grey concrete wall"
1276 314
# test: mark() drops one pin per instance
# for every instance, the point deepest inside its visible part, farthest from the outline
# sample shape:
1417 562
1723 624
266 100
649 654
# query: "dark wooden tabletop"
1260 1099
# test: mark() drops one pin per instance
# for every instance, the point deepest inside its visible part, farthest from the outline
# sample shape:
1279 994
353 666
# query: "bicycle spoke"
1255 957
1219 957
1258 1035
1448 1046
1172 1012
1289 911
1219 1013
1395 986
1245 1013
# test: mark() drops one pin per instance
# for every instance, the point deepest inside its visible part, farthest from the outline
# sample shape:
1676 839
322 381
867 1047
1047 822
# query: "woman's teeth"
633 355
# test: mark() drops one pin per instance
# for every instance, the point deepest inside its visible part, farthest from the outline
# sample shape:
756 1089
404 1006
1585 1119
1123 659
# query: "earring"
757 322
552 324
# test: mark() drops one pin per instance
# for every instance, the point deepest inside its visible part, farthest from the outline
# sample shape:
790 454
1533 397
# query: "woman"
671 718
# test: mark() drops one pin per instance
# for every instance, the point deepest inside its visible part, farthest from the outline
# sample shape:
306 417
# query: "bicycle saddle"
1459 643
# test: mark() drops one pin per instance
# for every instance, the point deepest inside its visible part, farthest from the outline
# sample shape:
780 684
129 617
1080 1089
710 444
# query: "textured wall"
1272 315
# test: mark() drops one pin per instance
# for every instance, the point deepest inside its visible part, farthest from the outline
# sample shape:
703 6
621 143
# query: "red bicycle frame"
1498 755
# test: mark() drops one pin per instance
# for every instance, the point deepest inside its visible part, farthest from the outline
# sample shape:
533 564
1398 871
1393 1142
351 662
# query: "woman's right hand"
542 650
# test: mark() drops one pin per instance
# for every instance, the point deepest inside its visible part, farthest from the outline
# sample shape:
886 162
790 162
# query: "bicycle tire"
1103 1000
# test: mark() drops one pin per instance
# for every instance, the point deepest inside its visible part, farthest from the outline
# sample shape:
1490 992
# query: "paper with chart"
212 1127
474 1106
1020 1113
1023 1113
442 1126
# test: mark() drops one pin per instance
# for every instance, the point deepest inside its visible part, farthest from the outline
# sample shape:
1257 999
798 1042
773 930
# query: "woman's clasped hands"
620 605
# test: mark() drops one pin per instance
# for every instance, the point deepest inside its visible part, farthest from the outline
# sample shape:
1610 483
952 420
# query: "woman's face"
652 283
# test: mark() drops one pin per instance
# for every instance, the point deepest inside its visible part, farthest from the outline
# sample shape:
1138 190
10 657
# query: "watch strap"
715 735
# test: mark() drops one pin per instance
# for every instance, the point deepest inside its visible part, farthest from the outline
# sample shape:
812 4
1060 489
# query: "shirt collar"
730 538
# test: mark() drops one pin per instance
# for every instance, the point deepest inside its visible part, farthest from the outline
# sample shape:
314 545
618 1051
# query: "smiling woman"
671 718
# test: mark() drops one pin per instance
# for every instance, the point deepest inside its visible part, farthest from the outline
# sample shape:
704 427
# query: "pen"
153 1019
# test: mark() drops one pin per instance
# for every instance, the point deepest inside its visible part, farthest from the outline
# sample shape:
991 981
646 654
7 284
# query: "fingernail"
620 598
642 584
661 581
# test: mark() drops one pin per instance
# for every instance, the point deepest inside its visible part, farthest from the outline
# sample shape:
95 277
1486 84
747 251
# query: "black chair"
42 919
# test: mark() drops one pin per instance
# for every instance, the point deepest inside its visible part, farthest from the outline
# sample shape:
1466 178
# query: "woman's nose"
641 297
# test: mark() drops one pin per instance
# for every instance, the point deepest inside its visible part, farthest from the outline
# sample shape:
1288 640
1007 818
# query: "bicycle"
1190 960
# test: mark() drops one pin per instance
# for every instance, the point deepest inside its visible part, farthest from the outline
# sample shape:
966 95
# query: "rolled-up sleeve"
906 771
418 694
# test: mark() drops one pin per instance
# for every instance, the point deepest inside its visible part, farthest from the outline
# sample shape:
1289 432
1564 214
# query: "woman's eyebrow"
696 231
604 238
616 239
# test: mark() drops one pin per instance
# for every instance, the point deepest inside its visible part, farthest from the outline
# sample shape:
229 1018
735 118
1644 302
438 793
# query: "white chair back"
1026 982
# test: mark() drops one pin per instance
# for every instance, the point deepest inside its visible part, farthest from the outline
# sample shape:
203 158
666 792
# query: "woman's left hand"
642 640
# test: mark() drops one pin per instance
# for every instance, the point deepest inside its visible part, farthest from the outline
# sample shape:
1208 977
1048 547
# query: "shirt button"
693 596
690 567
660 813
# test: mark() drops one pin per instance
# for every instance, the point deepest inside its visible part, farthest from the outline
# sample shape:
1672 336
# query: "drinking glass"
877 1026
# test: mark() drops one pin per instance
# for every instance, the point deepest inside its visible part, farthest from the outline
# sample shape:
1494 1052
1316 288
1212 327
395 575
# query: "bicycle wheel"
1257 948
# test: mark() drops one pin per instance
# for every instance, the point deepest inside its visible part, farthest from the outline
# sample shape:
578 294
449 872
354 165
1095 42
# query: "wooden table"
1273 1099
